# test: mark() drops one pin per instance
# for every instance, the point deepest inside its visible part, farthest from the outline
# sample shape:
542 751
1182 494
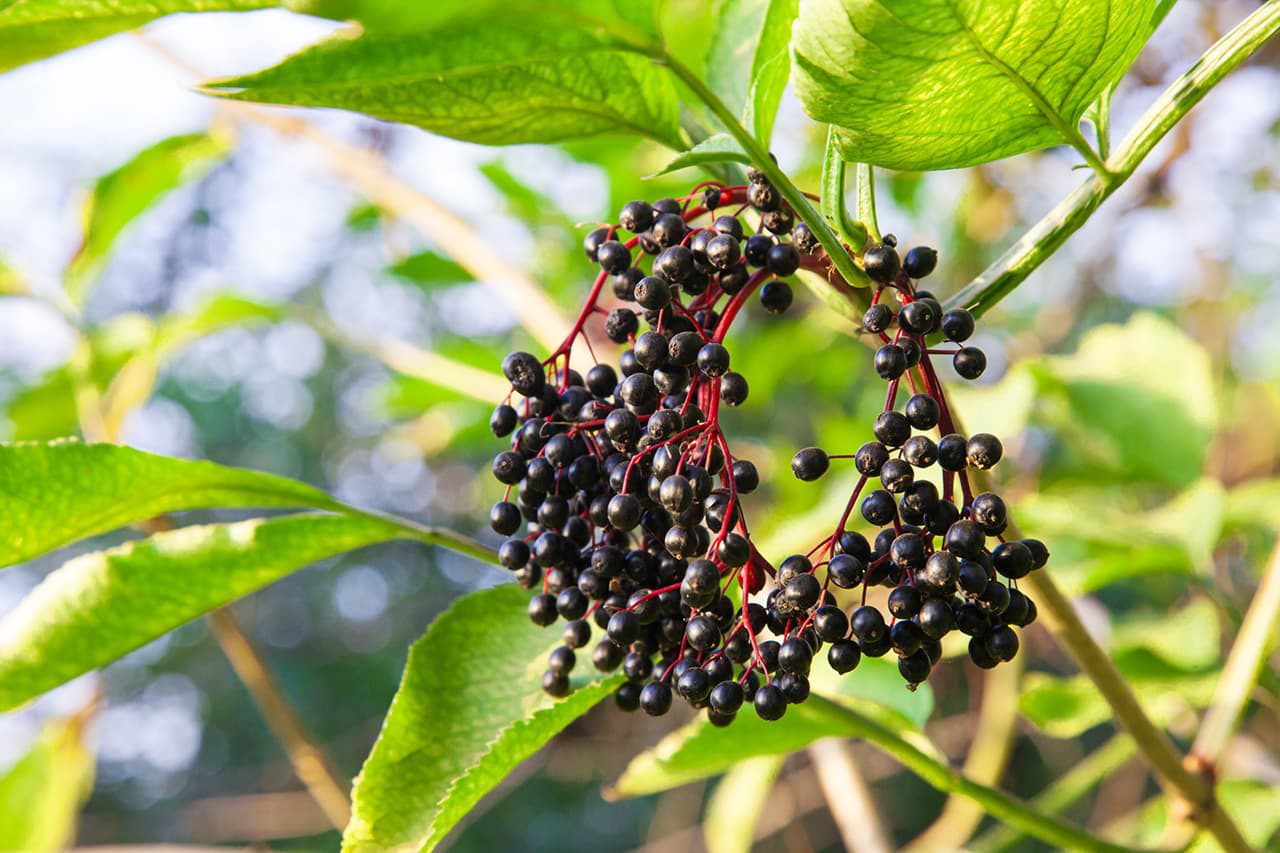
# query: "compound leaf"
489 82
103 605
939 84
468 710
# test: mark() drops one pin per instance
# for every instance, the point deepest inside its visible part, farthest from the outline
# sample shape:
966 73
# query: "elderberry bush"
629 494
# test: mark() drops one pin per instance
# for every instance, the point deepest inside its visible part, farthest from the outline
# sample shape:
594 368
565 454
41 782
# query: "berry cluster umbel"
935 549
630 494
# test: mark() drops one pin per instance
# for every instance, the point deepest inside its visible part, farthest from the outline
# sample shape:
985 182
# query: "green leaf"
1187 638
700 749
429 269
103 605
734 808
470 708
122 195
34 29
1068 707
615 16
57 493
939 84
41 795
492 82
719 148
755 35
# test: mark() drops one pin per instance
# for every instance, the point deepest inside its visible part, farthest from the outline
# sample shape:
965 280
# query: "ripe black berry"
846 571
655 698
919 317
713 359
957 325
776 296
922 411
783 259
524 372
983 450
919 262
636 216
878 318
890 361
810 463
969 362
844 656
613 257
1012 559
953 452
881 263
892 428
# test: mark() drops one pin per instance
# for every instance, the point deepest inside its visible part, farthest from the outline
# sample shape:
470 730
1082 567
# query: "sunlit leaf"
103 605
34 29
720 148
938 84
734 808
493 82
469 710
41 795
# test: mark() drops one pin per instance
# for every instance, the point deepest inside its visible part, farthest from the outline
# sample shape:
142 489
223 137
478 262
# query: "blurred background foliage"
202 281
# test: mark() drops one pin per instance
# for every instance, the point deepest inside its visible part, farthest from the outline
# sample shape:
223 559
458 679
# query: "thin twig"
985 762
309 761
1255 641
848 797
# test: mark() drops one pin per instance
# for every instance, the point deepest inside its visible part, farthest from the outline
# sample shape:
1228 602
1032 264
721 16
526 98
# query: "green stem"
836 252
832 201
942 778
1044 238
1065 792
864 189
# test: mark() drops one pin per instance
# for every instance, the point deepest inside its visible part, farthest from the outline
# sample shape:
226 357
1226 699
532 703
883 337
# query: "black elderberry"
730 225
576 633
904 602
504 518
980 654
592 242
779 221
561 660
989 511
703 633
655 698
621 324
935 618
776 297
810 463
1002 642
914 668
877 318
734 279
871 458
613 257
911 350
726 697
905 637
723 251
830 623
733 389
965 539
795 655
919 317
881 263
994 599
711 198
939 573
542 610
636 216
957 325
638 391
953 452
694 685
867 625
920 451
879 508
804 238
503 421
803 591
668 230
508 467
922 411
983 450
555 683
969 362
971 620
651 349
1012 559
524 372
770 703
844 656
890 361
919 261
1039 553
846 571
896 475
763 196
783 259
907 551
653 292
972 578
713 359
892 428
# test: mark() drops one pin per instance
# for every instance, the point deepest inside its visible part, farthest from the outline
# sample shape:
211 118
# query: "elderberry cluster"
942 553
624 477
629 493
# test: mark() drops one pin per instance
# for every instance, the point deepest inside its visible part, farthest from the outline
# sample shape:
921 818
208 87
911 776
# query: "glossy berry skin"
694 684
591 243
1039 553
1012 560
755 250
919 262
879 508
871 458
881 263
922 411
957 325
782 259
983 450
844 656
846 571
723 251
613 257
776 296
769 703
890 361
830 623
919 317
524 372
810 463
713 359
892 428
878 318
655 698
953 453
636 216
965 539
914 668
867 624
969 362
896 475
653 292
1002 642
794 655
726 697
542 610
